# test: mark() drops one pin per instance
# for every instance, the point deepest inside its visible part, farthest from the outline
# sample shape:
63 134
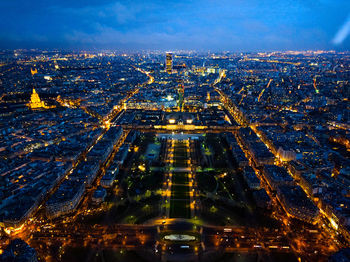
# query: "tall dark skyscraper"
169 62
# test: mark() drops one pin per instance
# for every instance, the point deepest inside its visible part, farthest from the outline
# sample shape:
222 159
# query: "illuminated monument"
33 71
35 102
169 62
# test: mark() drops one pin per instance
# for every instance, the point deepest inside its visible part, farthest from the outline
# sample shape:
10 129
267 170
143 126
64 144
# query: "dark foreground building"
18 251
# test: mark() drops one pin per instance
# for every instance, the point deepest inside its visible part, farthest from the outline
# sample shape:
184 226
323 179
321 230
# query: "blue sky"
216 25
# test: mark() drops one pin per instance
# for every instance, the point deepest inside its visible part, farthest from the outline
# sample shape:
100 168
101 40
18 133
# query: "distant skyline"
251 25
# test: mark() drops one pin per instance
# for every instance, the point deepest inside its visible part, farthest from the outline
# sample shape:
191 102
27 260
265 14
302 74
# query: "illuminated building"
35 102
169 62
33 71
286 155
181 92
108 179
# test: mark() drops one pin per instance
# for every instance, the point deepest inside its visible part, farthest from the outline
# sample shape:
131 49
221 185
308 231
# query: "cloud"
206 24
119 11
342 33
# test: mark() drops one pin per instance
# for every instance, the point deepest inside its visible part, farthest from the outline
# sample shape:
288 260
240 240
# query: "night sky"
215 25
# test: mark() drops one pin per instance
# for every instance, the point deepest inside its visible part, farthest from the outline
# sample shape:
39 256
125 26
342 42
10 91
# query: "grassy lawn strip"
180 198
180 178
206 182
179 209
179 192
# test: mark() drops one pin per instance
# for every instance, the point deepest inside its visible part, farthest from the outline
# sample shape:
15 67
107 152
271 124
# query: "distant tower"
169 62
181 91
56 65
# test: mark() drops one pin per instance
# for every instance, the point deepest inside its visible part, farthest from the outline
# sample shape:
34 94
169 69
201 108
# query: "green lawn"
179 158
206 182
179 192
180 209
180 178
180 164
180 198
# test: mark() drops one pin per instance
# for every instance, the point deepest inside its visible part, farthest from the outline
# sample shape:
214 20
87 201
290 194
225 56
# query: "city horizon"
158 51
175 131
181 155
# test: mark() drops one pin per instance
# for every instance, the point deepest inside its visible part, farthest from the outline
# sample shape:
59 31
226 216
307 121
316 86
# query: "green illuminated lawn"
180 209
180 198
180 178
179 192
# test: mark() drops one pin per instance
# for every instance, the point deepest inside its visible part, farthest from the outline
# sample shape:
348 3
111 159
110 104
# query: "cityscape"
198 156
174 153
